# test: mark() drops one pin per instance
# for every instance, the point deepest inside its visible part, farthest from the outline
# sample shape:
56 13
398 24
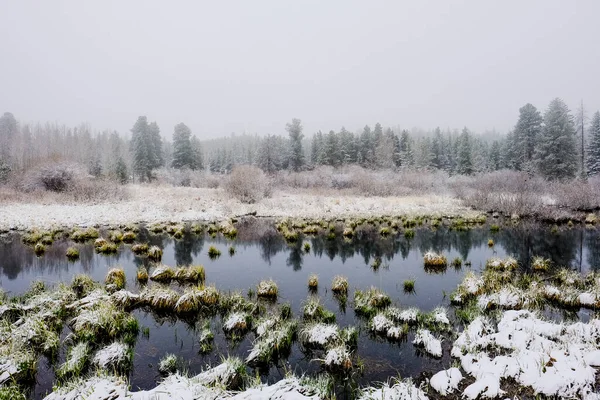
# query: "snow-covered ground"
173 204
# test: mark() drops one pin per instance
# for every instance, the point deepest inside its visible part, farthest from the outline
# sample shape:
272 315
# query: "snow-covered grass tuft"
555 360
368 302
267 288
431 345
117 355
319 335
395 390
314 311
446 382
339 284
77 358
115 279
434 261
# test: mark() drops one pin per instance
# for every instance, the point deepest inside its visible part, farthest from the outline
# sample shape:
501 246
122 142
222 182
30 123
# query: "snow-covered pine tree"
556 150
464 162
197 154
296 154
406 153
593 148
525 134
183 153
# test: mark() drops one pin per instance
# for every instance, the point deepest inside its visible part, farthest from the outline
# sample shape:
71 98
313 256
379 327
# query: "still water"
262 253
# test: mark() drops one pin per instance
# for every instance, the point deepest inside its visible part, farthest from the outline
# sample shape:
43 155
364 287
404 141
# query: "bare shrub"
509 192
577 194
67 182
248 183
189 178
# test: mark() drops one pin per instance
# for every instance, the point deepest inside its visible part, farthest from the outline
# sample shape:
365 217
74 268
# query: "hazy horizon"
252 67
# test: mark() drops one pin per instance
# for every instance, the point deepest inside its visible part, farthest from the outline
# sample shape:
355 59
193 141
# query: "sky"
252 66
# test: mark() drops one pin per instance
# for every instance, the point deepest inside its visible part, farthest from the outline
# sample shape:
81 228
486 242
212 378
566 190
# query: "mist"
253 66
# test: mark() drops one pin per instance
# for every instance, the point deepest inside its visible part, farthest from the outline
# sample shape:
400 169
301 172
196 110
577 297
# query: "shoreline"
163 204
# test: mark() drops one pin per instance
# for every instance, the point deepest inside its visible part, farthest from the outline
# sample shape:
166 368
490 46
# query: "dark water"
262 253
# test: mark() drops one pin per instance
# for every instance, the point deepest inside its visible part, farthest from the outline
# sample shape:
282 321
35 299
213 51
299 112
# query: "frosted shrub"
248 184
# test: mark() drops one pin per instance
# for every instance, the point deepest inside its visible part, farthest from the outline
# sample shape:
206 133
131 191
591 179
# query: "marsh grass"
214 253
39 249
129 237
313 282
139 248
168 364
83 285
306 247
366 303
409 285
409 233
434 262
268 289
78 356
376 263
159 298
115 278
82 235
107 248
142 275
490 243
231 251
115 236
540 264
72 253
314 311
339 285
457 262
155 253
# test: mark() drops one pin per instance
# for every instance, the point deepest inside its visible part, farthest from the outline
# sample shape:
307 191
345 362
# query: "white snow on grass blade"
320 334
381 323
445 382
400 390
235 321
432 345
552 359
338 357
440 316
111 355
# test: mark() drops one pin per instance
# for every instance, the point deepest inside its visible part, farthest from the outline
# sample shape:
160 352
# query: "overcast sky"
251 66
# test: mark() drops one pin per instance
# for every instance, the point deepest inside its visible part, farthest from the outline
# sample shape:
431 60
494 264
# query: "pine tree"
495 161
556 152
157 157
593 148
197 154
296 156
526 132
8 133
183 153
436 150
406 153
365 151
120 170
464 162
140 146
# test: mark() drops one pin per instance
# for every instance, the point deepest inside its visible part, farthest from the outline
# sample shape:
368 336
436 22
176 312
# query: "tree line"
547 144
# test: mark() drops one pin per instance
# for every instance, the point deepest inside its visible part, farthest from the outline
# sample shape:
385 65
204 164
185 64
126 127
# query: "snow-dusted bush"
248 184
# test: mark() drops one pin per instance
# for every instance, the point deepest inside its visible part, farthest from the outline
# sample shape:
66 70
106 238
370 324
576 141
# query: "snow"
178 387
381 323
505 298
154 203
402 390
265 326
587 299
322 334
235 320
7 369
395 332
111 355
338 357
440 316
432 345
446 381
552 359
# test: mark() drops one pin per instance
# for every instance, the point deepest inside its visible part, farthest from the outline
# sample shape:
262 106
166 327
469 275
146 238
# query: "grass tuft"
214 253
72 253
155 253
339 284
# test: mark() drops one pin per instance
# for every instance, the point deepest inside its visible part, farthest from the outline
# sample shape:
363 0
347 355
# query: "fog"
225 67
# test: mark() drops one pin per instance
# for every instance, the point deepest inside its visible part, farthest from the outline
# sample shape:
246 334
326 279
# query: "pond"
261 252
